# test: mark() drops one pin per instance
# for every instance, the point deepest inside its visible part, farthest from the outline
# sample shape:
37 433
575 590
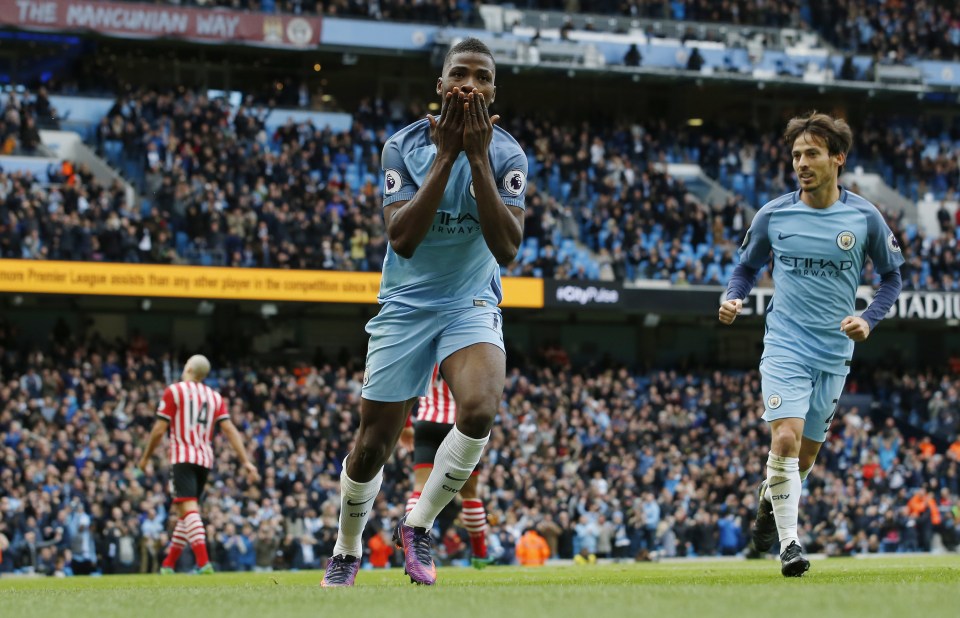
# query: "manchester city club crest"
774 401
846 240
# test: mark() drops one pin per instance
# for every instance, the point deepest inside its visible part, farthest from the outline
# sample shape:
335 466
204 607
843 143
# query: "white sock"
356 503
456 459
803 477
783 482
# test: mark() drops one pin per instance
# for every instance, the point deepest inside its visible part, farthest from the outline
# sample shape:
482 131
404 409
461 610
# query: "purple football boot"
341 571
416 544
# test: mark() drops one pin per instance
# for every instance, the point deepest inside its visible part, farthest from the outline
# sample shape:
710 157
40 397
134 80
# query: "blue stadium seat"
738 184
553 185
911 231
181 243
533 166
352 178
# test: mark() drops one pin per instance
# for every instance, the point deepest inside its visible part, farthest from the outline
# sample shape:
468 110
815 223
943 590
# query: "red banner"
147 20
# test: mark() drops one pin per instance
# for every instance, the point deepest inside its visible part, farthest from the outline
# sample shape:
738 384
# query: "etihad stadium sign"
911 305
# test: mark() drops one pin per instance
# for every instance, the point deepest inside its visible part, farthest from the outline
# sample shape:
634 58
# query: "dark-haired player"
453 201
820 237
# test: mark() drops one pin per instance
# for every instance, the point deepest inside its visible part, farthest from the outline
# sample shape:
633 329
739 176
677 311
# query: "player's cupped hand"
447 132
477 125
730 309
855 328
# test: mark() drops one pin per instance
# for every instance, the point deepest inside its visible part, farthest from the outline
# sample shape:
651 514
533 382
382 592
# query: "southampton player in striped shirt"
820 237
436 414
191 410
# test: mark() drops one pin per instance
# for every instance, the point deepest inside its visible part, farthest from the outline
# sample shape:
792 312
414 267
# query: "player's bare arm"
501 225
233 436
156 434
730 309
855 328
408 222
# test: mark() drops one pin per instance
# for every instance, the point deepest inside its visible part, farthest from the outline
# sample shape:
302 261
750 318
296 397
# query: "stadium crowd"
22 115
603 461
221 189
890 29
883 28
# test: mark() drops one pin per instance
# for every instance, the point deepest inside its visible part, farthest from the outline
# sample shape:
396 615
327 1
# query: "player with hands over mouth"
453 199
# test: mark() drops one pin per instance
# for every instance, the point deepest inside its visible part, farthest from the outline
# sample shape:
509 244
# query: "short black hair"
469 45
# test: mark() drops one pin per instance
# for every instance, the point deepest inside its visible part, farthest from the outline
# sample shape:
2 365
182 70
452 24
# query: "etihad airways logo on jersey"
445 223
816 267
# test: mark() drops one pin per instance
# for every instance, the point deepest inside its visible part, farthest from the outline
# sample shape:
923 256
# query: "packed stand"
235 195
230 194
605 188
927 400
220 189
75 218
916 156
446 12
22 115
890 30
932 259
601 461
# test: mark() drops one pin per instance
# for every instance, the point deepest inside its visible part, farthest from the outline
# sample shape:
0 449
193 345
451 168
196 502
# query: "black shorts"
188 481
427 437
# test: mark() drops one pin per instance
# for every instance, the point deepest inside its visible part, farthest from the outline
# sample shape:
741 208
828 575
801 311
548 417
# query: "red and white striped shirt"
193 409
438 405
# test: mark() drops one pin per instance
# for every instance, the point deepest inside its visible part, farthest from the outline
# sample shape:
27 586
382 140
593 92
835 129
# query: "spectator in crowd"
381 549
599 204
532 549
899 30
597 459
695 60
22 115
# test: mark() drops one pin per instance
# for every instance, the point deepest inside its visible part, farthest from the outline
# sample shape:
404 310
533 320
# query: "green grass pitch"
912 587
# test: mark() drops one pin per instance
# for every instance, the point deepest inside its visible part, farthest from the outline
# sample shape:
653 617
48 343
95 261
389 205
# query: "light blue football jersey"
452 267
817 258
